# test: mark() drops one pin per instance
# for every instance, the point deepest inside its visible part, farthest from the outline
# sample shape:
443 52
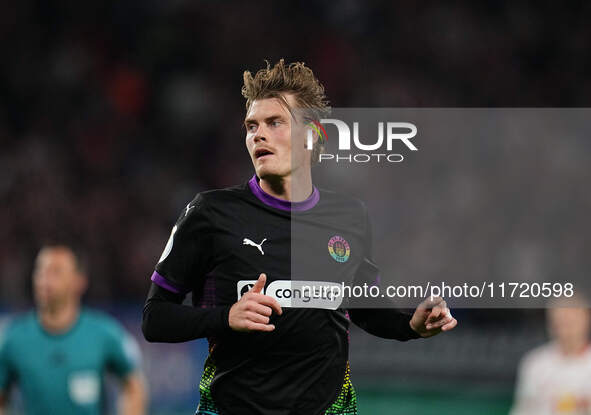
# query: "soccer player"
232 247
555 378
59 353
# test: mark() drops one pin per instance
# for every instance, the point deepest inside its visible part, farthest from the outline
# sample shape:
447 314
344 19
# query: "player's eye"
251 128
276 123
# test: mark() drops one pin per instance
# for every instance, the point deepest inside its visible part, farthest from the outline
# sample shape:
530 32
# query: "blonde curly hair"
294 78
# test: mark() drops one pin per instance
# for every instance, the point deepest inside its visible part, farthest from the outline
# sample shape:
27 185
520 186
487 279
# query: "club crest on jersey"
339 248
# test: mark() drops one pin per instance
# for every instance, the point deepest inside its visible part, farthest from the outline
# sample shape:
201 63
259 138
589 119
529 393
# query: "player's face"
275 141
569 324
56 279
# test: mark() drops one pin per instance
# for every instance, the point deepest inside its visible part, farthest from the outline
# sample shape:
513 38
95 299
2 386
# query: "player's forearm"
384 322
2 403
173 323
133 396
164 320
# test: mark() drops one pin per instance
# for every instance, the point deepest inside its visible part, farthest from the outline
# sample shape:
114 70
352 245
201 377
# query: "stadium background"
114 114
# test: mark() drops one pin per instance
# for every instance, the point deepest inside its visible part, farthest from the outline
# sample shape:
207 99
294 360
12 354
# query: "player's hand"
432 317
252 311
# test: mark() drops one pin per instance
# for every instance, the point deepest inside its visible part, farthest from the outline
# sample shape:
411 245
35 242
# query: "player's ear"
311 136
81 283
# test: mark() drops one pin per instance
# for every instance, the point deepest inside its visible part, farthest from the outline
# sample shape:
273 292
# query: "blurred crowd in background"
114 114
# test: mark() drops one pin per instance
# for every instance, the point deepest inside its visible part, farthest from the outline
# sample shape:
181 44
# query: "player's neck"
573 348
59 319
293 188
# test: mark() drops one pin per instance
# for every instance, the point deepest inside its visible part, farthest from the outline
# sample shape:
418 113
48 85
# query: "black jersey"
220 244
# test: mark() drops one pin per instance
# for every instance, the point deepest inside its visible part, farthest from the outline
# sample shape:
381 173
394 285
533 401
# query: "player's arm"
2 402
383 322
387 322
166 319
430 318
6 375
132 400
187 258
123 358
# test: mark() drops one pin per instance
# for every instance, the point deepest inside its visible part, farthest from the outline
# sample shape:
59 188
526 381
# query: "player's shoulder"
101 322
211 201
334 199
221 194
340 197
111 332
212 197
540 355
16 326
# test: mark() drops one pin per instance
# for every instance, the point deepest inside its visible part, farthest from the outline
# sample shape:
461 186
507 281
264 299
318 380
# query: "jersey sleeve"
166 319
188 253
123 354
385 320
6 374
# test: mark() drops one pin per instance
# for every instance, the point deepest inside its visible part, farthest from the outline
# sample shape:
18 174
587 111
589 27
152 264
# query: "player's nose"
259 137
262 133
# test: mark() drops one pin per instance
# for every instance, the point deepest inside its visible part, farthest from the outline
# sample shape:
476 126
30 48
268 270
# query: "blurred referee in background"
59 353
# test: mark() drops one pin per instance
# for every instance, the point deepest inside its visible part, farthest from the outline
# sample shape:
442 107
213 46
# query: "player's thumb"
260 284
430 302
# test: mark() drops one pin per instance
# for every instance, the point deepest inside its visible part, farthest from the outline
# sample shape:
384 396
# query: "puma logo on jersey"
247 241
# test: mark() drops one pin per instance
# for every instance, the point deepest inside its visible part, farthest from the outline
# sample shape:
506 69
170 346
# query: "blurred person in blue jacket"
59 353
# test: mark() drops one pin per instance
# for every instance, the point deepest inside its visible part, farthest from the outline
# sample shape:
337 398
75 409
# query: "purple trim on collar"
163 282
277 203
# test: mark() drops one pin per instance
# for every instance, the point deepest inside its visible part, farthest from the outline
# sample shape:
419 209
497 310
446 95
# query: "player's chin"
41 297
265 169
43 302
